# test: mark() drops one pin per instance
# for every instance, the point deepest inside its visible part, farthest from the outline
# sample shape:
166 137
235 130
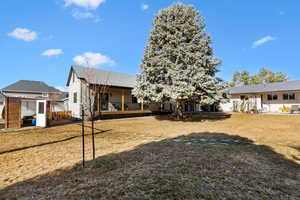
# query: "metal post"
82 131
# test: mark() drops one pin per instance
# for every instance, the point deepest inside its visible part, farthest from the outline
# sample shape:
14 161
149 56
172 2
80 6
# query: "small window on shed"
41 107
75 97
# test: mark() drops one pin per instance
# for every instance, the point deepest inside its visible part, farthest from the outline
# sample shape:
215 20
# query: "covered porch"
119 101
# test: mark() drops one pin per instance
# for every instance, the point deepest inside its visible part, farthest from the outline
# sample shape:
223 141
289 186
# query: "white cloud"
76 14
23 34
89 4
93 59
263 40
62 88
144 6
52 52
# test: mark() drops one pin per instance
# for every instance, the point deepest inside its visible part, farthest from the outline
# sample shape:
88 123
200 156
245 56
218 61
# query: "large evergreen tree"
178 64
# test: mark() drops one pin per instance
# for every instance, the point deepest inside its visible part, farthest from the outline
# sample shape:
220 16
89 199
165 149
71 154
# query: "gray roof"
102 77
30 86
268 87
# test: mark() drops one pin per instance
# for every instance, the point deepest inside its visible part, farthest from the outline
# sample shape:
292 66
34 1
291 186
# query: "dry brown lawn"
138 159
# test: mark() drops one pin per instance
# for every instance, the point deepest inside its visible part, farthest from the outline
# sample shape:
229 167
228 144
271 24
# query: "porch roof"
269 87
102 77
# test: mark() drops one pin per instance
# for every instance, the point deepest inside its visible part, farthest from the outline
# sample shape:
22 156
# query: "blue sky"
40 40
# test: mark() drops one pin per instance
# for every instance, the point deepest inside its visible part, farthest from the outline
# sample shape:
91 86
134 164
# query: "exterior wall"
1 109
114 99
24 95
60 106
275 105
263 104
74 86
228 107
66 104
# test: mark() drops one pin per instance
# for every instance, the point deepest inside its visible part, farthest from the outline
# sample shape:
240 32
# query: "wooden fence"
61 115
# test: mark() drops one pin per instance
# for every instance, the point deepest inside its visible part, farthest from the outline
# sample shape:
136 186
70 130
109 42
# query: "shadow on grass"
51 142
176 168
197 117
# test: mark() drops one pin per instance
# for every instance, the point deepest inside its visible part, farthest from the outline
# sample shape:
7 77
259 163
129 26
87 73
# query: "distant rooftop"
102 77
30 86
268 87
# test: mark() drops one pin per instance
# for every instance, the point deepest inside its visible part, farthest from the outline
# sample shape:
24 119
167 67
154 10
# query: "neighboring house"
1 105
30 91
271 97
113 92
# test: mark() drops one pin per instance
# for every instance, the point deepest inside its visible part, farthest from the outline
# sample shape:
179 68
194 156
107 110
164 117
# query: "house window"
45 95
104 102
75 97
272 97
290 96
134 99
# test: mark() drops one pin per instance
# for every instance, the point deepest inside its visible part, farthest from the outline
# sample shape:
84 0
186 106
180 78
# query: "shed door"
41 113
12 113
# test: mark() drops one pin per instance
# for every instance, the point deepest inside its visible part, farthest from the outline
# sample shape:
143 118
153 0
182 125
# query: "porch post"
123 100
6 112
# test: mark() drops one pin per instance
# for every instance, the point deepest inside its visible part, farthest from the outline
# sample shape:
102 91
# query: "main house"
112 93
271 97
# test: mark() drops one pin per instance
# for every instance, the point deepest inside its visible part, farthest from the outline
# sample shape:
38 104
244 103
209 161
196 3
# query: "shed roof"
30 86
102 77
269 87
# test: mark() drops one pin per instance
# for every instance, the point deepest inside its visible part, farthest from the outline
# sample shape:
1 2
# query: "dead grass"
138 160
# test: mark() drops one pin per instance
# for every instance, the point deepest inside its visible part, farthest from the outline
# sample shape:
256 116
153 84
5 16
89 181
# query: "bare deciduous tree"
92 97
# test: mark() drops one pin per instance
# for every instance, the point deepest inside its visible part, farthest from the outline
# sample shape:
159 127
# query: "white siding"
1 108
59 106
264 104
24 95
74 86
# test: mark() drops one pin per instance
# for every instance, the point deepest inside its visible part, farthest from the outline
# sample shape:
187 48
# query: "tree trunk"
93 135
91 107
179 110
